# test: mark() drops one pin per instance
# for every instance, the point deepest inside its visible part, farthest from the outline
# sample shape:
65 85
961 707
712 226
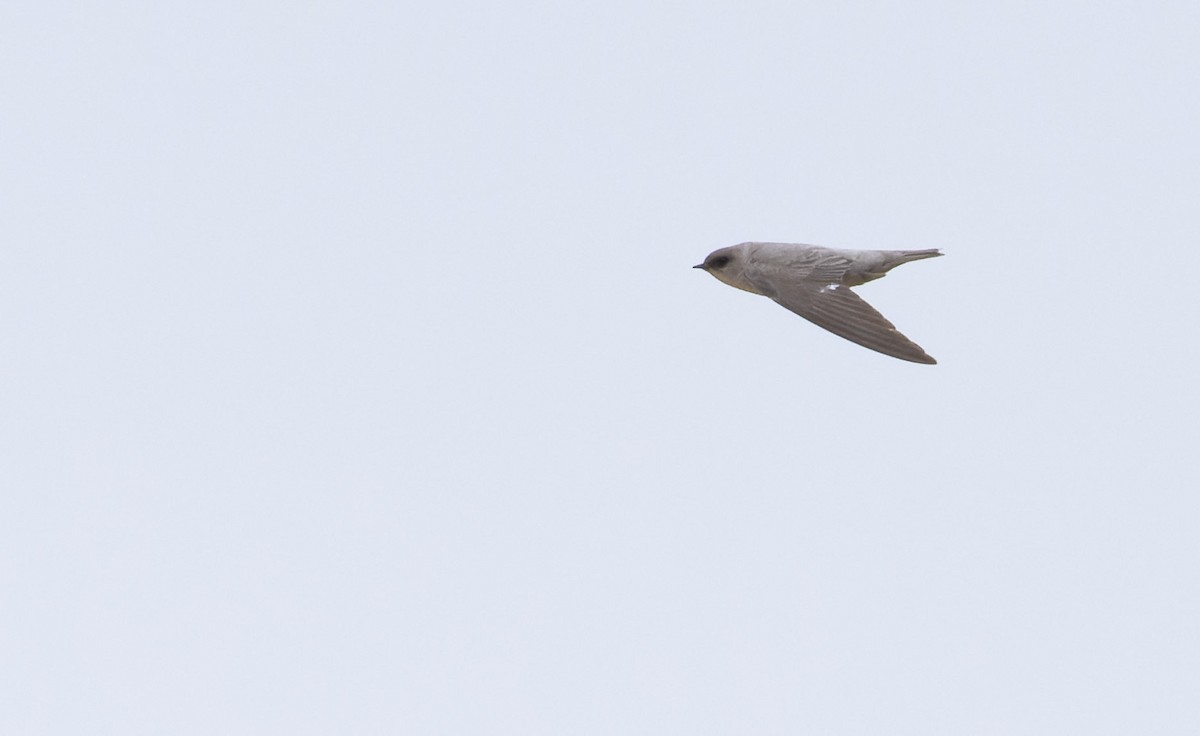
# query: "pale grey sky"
356 380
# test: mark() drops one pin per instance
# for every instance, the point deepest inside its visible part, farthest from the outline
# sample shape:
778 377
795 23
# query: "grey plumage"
814 282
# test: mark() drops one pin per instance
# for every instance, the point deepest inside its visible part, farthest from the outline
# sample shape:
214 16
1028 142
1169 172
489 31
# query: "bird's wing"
842 312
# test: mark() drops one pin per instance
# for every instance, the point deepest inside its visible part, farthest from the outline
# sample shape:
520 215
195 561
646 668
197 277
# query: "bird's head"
729 265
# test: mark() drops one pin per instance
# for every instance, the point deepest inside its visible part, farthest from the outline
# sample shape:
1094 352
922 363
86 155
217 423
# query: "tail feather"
915 255
883 261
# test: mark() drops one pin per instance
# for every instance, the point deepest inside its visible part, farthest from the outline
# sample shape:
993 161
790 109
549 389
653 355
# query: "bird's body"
814 282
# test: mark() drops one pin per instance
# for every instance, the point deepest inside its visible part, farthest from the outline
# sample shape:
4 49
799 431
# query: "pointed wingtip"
922 359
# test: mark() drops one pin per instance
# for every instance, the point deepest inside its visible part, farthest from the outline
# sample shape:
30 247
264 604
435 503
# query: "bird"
814 282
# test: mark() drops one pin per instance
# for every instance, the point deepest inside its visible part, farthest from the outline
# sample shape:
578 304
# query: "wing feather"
844 313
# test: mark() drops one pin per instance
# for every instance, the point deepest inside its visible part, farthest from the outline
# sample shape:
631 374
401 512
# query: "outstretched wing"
842 312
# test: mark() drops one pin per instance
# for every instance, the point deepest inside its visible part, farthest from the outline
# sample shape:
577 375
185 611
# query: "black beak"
698 265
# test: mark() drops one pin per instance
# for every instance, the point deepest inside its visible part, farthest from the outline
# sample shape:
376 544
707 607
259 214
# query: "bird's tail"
883 261
904 256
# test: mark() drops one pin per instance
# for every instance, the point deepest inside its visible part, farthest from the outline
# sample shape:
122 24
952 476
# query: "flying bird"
814 282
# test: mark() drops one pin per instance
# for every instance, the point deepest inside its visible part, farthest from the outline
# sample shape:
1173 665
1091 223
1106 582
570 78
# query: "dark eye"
719 262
